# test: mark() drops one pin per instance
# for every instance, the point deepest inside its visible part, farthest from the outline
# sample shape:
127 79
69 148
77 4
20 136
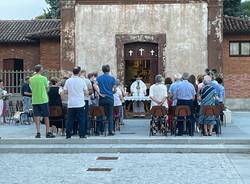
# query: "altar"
129 100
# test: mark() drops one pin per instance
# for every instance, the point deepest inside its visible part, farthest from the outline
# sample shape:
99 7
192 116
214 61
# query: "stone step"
152 140
123 148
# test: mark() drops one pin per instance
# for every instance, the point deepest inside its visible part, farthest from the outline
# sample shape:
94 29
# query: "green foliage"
53 12
232 7
245 6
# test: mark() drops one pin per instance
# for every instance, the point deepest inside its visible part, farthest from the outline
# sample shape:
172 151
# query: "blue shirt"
172 91
222 93
216 86
185 91
106 83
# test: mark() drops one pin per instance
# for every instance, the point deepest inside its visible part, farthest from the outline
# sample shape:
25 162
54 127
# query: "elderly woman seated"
207 96
158 93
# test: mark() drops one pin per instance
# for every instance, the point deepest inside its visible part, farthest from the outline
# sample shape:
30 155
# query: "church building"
142 37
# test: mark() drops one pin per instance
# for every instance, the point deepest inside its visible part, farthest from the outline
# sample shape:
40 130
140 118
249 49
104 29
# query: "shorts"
41 110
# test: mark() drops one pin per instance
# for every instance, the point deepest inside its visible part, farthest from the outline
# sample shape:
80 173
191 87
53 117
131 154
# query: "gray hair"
185 76
207 79
158 78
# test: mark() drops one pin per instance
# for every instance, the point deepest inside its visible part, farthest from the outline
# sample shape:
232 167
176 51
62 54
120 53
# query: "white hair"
207 79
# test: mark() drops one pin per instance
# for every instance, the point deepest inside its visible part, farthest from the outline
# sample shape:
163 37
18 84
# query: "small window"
245 48
234 48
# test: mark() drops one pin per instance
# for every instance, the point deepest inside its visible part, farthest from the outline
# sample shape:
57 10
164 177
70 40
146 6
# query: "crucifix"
152 52
130 52
141 50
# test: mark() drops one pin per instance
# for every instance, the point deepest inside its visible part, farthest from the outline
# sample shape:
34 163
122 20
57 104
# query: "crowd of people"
79 92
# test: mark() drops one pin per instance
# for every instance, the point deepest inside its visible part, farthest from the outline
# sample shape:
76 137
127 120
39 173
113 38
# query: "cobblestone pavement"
128 169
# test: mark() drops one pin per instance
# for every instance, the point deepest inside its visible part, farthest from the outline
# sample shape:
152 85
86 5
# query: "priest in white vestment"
138 88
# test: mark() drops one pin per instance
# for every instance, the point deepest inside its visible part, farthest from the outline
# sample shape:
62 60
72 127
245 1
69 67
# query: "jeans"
107 103
26 103
191 120
87 125
79 115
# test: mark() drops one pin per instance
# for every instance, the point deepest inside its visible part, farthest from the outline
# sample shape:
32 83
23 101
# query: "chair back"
210 110
55 111
182 110
158 111
96 111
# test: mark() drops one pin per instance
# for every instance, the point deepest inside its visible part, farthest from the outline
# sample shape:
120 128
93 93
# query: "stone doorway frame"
122 39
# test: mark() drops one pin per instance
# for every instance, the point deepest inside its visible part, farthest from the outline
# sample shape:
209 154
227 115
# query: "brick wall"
28 52
236 70
50 54
46 53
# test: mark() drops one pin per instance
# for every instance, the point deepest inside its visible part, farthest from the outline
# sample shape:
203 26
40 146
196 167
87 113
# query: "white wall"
185 26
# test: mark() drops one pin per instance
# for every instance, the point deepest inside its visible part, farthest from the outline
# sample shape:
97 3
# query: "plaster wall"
185 26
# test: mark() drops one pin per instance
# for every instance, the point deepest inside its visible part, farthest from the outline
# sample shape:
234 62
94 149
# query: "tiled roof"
20 30
50 33
236 25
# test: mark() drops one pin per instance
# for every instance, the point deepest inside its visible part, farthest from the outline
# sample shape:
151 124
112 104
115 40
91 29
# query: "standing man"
26 93
106 84
185 94
75 87
87 97
39 88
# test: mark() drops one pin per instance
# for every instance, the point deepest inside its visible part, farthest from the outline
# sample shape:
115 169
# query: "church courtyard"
141 159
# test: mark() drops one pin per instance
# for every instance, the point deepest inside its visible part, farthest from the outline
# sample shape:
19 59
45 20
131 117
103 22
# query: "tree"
53 12
245 6
232 7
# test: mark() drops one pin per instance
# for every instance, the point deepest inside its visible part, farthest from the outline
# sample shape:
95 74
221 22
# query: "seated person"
158 93
138 88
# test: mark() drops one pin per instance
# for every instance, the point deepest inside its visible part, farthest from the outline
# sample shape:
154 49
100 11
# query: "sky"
21 9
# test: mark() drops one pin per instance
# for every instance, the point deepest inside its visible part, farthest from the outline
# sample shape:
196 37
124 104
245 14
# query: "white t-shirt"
75 87
117 100
158 92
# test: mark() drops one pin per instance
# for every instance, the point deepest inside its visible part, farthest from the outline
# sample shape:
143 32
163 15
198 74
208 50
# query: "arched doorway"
141 59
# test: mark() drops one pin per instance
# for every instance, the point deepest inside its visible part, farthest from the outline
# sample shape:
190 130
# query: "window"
239 48
234 49
245 48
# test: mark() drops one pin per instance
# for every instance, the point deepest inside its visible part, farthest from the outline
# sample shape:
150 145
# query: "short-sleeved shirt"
172 90
39 86
158 92
26 88
106 83
75 87
185 91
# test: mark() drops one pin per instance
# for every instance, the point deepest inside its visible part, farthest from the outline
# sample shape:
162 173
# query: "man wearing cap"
185 94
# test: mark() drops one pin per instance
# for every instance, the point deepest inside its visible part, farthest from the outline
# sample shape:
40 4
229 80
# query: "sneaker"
50 135
83 137
38 135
